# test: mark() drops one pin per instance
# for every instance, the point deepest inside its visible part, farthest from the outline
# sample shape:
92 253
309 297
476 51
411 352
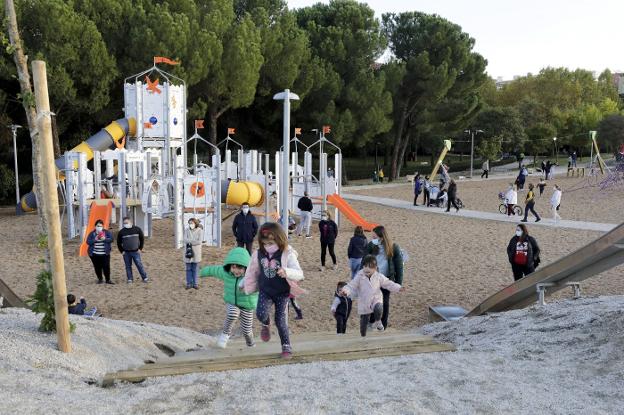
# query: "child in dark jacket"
329 232
356 250
341 309
79 308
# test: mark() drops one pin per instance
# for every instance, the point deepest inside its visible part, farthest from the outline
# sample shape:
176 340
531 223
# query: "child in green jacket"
238 304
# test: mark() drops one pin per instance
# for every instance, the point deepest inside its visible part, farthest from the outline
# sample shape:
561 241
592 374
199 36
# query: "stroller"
437 197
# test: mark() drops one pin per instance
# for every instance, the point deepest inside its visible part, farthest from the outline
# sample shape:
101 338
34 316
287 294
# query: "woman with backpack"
389 263
523 253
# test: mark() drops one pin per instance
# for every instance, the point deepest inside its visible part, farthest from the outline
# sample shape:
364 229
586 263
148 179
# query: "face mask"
519 233
127 225
375 241
99 228
271 248
324 217
191 226
245 210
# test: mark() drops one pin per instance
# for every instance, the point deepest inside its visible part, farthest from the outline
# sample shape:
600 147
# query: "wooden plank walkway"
307 348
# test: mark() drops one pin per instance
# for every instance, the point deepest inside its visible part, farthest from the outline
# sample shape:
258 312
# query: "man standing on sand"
129 242
245 228
305 206
486 169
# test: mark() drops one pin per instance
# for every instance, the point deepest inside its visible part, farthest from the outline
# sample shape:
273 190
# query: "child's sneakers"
286 352
378 325
222 341
265 332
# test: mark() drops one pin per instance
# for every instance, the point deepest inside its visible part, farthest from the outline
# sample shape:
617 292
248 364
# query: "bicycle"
502 208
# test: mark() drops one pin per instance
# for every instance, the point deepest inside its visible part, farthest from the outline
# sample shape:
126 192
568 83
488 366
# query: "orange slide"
103 211
349 212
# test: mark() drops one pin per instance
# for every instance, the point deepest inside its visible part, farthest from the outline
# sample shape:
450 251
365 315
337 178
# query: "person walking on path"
130 243
523 253
427 189
486 169
100 241
328 233
381 176
341 309
452 196
418 187
521 179
193 238
541 185
356 249
238 304
511 198
529 204
369 285
555 202
389 260
274 271
245 228
305 207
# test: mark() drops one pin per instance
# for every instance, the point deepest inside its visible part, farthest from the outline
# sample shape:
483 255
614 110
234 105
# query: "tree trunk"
398 144
402 153
28 101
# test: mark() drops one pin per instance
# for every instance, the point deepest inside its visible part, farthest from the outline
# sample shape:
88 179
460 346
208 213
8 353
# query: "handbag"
189 251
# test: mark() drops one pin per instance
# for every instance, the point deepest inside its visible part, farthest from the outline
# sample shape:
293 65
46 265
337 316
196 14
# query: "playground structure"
140 168
8 298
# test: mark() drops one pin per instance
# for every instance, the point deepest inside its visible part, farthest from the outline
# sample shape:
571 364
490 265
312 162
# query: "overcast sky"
517 37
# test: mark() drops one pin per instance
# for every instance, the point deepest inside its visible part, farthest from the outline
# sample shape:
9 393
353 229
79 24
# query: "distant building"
500 83
618 80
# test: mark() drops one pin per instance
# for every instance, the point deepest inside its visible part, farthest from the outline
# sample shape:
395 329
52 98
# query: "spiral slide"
110 136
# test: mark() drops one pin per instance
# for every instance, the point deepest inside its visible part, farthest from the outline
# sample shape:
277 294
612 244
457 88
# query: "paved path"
465 213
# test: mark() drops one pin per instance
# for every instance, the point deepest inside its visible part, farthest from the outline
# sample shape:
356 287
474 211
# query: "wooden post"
51 207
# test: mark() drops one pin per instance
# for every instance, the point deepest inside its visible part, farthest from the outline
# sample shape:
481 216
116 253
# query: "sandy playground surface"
563 358
453 260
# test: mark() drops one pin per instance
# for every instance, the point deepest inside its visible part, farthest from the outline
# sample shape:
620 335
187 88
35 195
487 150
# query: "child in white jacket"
555 201
368 283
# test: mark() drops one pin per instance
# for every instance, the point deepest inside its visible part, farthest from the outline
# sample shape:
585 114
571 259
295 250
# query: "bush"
7 182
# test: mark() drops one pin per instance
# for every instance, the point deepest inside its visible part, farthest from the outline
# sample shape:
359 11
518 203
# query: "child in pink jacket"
368 283
273 271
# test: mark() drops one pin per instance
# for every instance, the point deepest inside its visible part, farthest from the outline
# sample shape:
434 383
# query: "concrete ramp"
9 298
307 348
600 255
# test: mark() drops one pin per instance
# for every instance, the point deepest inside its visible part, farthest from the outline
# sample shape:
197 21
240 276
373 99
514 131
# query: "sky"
520 37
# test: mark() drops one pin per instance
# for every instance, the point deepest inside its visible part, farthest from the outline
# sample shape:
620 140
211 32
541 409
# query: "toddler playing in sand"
238 304
367 284
79 307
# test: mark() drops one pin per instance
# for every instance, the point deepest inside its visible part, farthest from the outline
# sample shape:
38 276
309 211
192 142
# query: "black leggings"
101 264
324 247
520 271
374 316
485 173
427 198
341 323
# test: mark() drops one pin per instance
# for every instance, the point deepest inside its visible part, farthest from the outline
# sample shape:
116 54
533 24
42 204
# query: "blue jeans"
354 264
191 274
136 257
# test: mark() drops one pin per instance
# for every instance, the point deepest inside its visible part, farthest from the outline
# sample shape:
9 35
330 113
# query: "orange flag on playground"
199 124
162 59
326 129
297 131
231 131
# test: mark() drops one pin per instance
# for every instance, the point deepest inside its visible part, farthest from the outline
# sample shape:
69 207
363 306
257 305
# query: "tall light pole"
556 152
14 128
285 96
472 133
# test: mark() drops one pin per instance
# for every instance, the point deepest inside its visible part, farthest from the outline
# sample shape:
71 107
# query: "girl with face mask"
193 239
522 252
328 233
273 271
99 241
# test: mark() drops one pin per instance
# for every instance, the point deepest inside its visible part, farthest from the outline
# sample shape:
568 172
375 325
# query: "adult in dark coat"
452 195
523 253
328 233
245 228
100 241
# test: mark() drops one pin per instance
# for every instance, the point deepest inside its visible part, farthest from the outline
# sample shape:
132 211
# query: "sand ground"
452 261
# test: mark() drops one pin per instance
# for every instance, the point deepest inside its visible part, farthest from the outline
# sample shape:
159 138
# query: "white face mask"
323 217
375 241
99 228
127 225
191 225
519 233
245 210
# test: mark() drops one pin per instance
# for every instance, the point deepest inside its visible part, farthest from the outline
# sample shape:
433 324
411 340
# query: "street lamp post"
376 162
14 128
285 96
556 151
472 136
